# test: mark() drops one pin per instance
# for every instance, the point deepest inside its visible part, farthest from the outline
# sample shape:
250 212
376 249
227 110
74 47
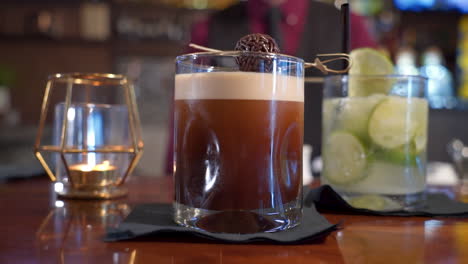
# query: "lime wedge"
367 61
344 158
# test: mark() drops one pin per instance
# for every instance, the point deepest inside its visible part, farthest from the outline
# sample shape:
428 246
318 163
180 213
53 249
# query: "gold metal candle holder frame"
135 150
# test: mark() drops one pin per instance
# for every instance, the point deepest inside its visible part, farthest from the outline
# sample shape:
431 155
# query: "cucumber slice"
391 125
404 156
344 159
367 61
355 113
373 202
385 178
398 121
421 113
361 86
329 114
420 139
370 201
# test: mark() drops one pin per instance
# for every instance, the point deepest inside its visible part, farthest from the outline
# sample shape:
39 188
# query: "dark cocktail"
238 142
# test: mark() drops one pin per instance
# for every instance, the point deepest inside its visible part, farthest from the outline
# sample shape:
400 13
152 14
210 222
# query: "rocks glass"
238 142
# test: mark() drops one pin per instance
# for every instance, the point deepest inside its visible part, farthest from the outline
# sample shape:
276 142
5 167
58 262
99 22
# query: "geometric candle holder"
96 139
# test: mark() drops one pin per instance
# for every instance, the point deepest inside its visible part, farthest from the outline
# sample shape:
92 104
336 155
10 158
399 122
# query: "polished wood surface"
36 227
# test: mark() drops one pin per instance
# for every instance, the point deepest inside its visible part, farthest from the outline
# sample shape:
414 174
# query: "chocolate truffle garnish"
256 43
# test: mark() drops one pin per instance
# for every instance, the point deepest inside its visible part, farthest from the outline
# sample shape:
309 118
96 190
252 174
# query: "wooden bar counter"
36 227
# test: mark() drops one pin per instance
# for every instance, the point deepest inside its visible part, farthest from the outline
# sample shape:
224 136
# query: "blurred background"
141 38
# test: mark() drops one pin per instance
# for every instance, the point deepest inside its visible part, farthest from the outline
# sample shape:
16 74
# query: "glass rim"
194 55
378 76
95 79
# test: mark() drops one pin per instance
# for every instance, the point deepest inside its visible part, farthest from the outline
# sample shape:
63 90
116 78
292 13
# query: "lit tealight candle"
104 166
92 175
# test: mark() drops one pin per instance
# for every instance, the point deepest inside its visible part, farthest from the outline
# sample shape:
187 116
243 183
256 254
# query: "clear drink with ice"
374 140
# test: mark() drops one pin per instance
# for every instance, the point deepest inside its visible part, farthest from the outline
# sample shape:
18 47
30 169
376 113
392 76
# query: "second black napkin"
437 204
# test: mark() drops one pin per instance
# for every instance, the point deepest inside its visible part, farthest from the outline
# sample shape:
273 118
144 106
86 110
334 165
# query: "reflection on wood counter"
37 229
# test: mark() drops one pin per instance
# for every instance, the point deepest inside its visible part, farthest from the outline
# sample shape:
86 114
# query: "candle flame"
104 166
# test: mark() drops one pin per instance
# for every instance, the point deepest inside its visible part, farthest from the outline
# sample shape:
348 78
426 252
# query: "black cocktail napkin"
437 204
155 220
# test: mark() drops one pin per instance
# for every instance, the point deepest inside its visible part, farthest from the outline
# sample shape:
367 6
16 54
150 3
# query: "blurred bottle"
459 154
462 57
6 81
5 98
367 7
440 85
200 4
406 62
95 19
8 115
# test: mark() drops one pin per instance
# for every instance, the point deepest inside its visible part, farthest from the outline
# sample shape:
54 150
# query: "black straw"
346 27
